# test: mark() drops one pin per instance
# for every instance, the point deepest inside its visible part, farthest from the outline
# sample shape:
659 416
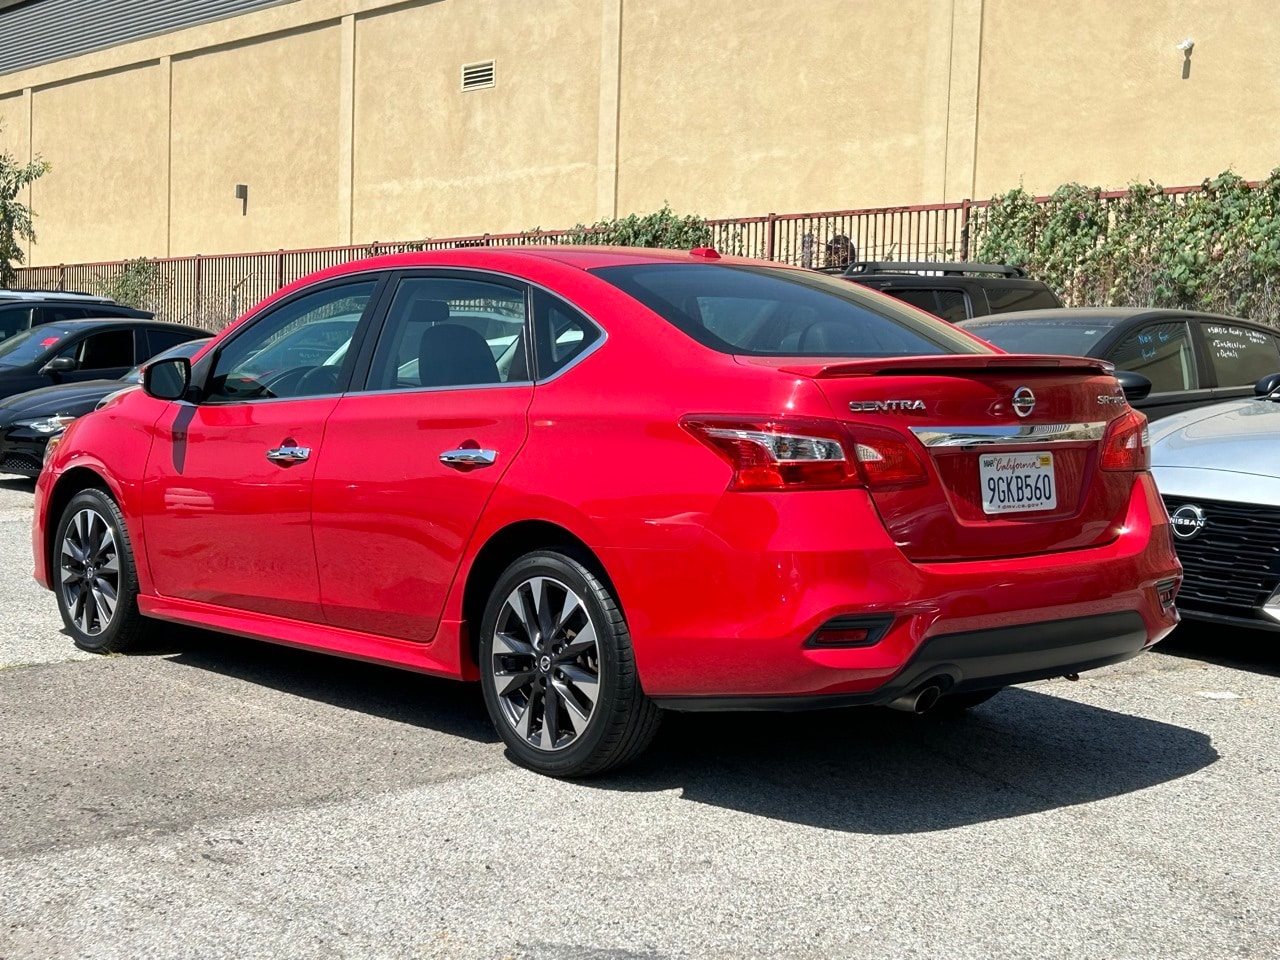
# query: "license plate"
1017 482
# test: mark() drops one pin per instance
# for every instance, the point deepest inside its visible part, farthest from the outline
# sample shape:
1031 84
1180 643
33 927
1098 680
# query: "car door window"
60 314
14 320
1240 355
1162 353
451 332
562 334
953 305
926 300
298 349
109 350
159 340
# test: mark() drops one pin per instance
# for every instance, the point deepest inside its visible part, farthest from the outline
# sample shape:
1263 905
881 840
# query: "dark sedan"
28 421
1191 359
78 350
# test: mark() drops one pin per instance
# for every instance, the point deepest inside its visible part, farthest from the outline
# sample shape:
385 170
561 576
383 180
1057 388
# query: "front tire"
95 579
558 671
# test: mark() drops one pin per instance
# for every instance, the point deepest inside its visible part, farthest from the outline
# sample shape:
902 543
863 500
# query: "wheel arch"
70 483
503 548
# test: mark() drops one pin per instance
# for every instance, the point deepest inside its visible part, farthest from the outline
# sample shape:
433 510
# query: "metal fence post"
199 288
964 229
279 269
62 276
768 235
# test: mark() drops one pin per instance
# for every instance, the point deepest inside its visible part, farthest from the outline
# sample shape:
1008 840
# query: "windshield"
187 349
776 312
30 344
1070 337
308 344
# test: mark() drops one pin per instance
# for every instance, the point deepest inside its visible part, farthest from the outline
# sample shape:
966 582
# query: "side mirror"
167 379
59 365
1134 385
1267 385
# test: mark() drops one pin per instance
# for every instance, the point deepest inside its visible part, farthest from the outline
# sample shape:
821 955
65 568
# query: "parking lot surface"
215 797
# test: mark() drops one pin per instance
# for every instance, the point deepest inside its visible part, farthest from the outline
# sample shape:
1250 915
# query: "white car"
1218 469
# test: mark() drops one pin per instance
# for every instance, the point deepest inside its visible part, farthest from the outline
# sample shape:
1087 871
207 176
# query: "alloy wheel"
89 565
546 663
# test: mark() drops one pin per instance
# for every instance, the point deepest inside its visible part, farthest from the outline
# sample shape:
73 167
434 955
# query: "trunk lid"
1012 446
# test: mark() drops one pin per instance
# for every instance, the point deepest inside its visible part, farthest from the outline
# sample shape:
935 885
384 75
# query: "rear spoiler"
908 366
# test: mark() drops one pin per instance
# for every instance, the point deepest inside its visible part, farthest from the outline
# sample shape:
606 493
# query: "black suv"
22 309
953 291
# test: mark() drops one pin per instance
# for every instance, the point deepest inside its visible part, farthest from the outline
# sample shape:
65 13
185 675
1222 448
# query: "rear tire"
94 576
953 705
558 671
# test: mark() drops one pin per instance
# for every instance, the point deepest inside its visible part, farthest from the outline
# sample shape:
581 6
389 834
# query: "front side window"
1162 353
31 345
451 332
775 312
1006 298
297 350
109 350
1241 356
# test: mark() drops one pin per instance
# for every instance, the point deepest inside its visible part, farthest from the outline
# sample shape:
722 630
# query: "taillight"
887 459
782 454
791 453
1127 445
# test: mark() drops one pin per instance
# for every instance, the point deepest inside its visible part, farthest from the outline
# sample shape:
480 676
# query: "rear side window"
950 305
1240 355
59 314
164 339
14 320
1005 298
1162 353
770 312
561 334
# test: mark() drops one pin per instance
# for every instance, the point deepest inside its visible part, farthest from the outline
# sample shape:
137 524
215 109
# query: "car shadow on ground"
1257 651
401 696
21 484
877 772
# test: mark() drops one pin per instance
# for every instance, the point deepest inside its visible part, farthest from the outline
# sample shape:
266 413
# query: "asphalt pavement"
215 797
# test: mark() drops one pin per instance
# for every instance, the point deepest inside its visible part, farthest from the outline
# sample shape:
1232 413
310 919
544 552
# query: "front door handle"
469 458
289 454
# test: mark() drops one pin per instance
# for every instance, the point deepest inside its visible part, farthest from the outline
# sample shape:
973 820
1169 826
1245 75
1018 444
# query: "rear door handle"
289 454
469 458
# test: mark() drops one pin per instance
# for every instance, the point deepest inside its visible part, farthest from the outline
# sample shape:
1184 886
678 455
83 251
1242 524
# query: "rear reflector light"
782 454
1127 445
852 631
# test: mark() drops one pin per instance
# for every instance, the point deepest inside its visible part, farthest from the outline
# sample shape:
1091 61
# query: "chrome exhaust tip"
917 701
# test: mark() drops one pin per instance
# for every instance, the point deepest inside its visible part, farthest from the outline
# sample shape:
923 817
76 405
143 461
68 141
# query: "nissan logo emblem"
1024 401
1188 521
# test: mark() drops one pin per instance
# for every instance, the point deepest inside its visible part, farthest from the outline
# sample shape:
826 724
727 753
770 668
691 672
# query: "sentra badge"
886 406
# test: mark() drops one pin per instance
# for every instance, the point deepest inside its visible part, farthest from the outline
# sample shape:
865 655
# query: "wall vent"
477 76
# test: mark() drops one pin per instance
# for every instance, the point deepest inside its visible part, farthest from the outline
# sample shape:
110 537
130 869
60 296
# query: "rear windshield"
772 312
1006 298
27 346
1071 337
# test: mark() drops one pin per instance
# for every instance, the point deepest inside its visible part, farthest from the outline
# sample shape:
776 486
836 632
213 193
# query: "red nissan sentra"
608 482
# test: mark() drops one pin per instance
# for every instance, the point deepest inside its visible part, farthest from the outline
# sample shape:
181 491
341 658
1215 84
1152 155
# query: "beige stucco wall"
264 114
106 140
736 107
346 120
432 160
1094 92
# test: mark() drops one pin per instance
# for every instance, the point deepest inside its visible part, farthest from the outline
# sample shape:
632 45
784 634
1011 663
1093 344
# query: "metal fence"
211 290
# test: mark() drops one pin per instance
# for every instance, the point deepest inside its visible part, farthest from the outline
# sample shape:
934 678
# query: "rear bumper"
731 624
978 660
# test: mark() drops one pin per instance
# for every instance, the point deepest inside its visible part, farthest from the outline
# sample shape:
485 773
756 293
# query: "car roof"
56 296
1100 316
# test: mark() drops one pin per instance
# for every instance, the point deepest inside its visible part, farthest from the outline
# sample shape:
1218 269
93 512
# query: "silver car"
1218 469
